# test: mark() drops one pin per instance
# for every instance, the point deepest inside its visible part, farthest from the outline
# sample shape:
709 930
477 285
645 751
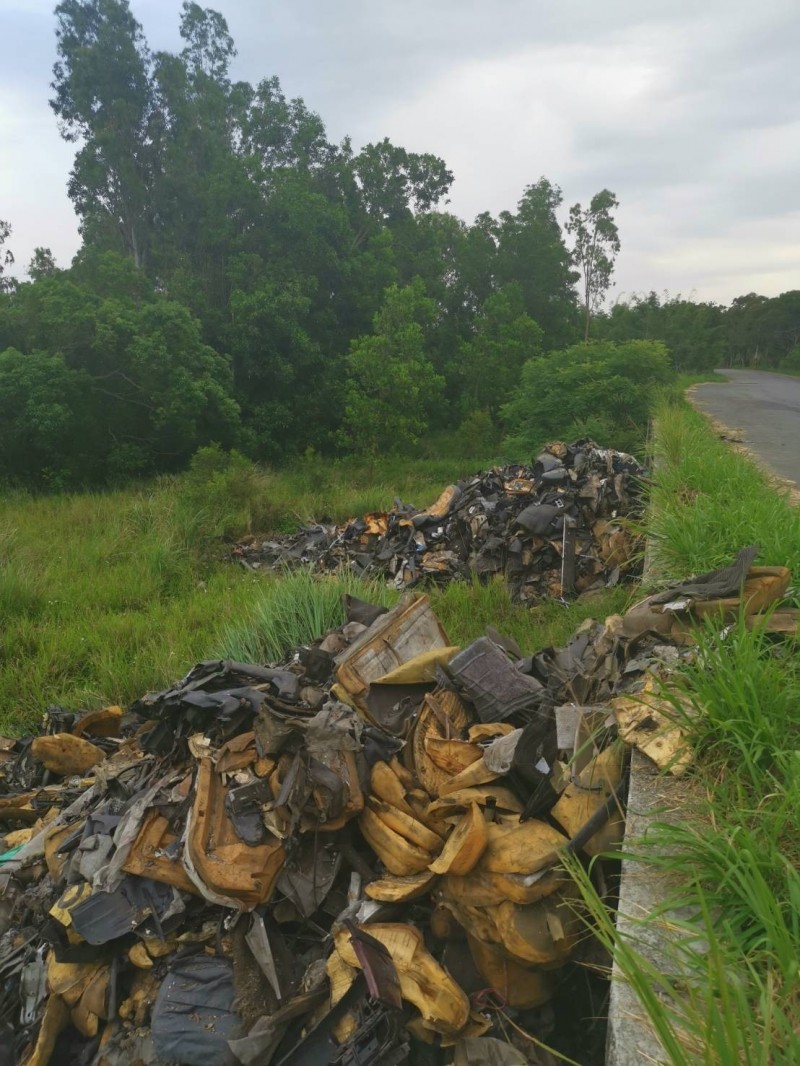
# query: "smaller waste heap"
554 529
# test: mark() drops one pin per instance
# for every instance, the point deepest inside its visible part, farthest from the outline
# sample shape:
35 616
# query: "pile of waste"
554 529
353 857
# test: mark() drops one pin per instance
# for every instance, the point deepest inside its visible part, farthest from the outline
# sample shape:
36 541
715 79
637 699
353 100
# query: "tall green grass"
467 608
292 610
102 596
300 606
735 860
708 502
317 489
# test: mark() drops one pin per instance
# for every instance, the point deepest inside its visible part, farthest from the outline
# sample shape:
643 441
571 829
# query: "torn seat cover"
223 868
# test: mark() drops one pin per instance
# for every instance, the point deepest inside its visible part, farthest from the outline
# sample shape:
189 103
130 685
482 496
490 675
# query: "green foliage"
222 494
46 433
529 249
791 361
467 608
319 489
708 502
694 333
113 379
105 99
762 331
392 389
102 598
6 258
293 610
477 435
42 264
598 389
393 181
490 364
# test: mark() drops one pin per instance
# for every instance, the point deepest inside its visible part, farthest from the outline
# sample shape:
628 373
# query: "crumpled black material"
105 916
194 1017
716 584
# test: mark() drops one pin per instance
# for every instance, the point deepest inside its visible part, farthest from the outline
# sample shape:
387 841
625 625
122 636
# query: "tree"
146 391
278 369
692 331
393 181
47 436
392 390
209 46
42 264
531 252
596 244
104 97
597 389
491 362
6 258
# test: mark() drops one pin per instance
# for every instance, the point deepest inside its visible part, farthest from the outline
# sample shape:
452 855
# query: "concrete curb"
652 797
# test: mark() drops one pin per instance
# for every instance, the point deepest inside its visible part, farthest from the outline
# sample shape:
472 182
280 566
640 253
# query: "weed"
292 610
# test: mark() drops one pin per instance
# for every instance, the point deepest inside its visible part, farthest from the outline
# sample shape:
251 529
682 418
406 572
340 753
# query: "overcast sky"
689 110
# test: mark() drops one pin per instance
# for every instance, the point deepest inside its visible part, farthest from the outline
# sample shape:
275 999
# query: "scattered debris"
723 595
557 528
340 859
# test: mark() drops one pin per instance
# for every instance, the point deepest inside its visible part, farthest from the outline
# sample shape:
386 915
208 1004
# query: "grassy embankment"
737 857
104 596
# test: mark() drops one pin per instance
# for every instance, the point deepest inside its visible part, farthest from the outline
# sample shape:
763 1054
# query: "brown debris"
65 754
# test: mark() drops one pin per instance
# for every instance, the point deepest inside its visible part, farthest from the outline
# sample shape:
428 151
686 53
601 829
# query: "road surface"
765 409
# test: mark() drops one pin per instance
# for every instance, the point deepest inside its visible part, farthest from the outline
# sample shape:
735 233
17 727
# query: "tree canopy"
244 280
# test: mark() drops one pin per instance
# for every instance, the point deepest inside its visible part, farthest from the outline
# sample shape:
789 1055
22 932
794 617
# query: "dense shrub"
598 389
223 491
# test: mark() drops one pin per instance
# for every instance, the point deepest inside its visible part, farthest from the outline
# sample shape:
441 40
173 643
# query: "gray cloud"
686 110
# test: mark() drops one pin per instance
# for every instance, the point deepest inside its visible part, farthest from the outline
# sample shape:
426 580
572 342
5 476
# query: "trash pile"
554 529
353 857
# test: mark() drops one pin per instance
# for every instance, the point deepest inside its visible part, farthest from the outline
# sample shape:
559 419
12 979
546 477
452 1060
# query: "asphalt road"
765 409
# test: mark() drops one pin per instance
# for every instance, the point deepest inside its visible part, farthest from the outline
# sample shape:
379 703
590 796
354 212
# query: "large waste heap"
554 529
352 857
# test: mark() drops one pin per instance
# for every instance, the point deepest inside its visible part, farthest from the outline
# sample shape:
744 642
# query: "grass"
102 597
317 489
738 997
708 502
294 609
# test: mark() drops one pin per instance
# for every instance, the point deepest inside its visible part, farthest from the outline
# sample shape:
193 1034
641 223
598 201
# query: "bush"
223 492
599 389
791 361
477 435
